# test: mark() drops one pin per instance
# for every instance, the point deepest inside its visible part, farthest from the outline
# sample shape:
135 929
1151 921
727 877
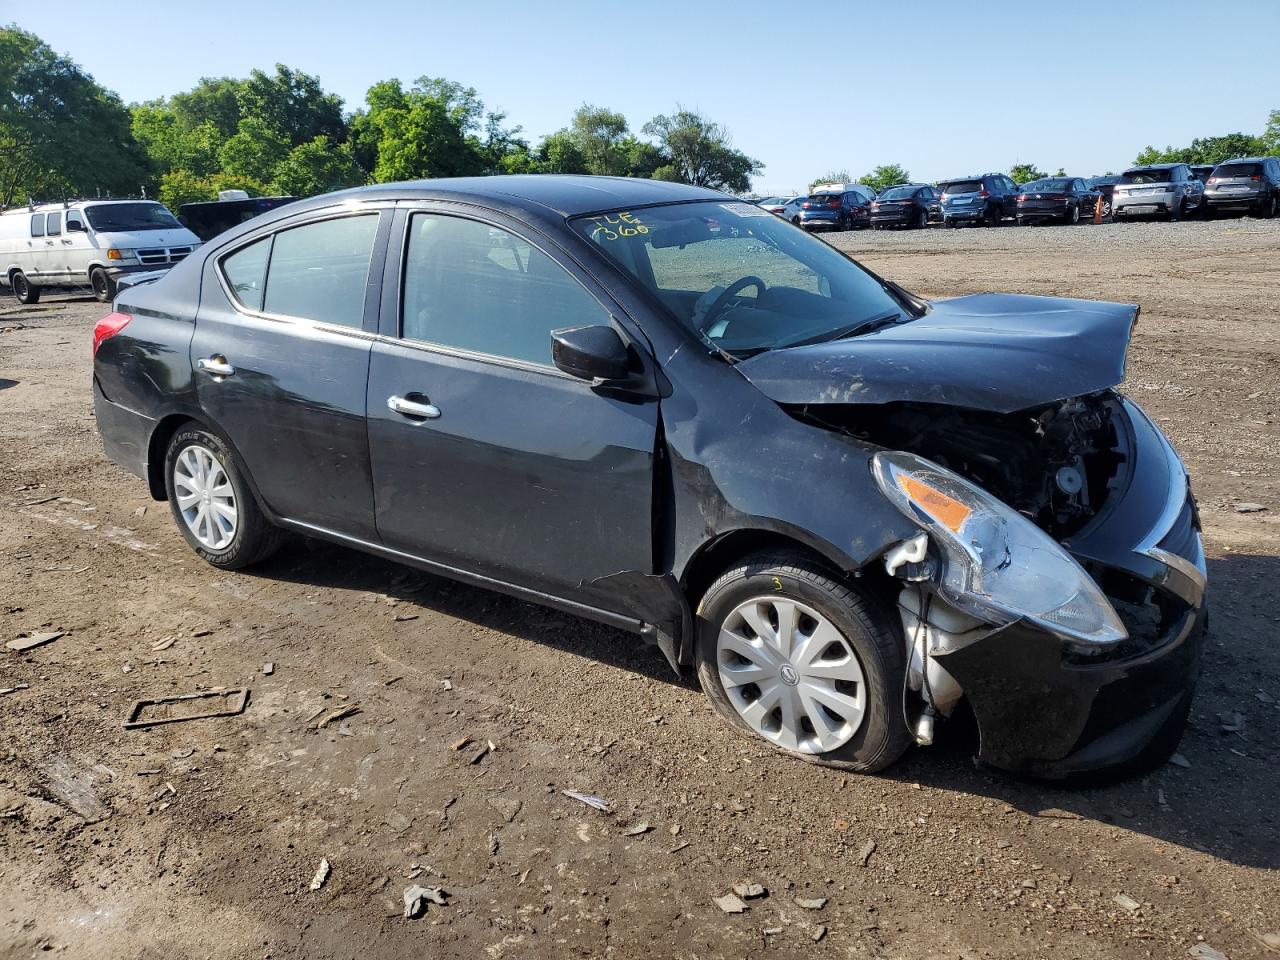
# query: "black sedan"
906 205
847 508
1056 199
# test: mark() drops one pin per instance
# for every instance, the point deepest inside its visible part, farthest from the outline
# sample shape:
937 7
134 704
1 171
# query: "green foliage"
318 166
1207 149
1271 135
428 130
292 103
255 151
700 152
60 132
1025 172
885 175
833 176
172 143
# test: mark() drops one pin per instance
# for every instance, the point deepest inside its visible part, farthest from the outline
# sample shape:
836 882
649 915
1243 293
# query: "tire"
921 220
103 284
864 645
251 537
1106 208
950 223
1269 210
1180 212
1073 215
24 289
795 221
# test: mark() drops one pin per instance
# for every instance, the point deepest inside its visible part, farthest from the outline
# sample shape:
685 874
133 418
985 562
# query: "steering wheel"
718 305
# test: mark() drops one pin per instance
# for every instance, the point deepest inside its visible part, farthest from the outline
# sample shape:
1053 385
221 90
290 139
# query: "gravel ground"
201 839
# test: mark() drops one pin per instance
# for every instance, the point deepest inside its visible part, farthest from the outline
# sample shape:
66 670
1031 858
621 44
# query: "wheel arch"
163 433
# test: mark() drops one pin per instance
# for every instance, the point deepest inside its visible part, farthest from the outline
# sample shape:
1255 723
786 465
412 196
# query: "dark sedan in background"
846 507
905 205
1056 199
1105 185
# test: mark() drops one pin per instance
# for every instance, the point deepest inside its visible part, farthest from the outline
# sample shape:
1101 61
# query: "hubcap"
791 675
206 499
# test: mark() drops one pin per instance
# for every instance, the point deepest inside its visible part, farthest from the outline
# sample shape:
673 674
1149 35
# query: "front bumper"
1049 709
116 269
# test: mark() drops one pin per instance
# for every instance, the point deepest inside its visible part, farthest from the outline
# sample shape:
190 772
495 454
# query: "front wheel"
790 655
103 284
212 504
24 289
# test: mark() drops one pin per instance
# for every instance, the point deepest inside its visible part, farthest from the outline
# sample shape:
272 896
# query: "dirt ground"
201 839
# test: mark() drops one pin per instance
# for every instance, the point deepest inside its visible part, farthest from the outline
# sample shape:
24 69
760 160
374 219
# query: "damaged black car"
850 510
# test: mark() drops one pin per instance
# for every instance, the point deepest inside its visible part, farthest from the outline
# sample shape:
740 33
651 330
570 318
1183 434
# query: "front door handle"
412 408
216 365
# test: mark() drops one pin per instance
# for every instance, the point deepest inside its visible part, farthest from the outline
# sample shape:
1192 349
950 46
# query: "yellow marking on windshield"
611 226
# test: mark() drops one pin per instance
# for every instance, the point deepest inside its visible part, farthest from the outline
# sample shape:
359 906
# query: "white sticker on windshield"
745 209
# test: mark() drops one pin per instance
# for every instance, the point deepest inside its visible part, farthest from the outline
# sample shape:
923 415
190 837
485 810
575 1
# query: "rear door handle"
216 365
413 408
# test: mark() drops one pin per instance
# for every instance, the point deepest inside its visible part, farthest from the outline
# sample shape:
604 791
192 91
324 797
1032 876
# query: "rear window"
1146 176
899 193
963 186
1048 185
824 197
1238 170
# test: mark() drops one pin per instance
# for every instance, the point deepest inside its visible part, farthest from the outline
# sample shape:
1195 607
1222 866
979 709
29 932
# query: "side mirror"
591 353
75 226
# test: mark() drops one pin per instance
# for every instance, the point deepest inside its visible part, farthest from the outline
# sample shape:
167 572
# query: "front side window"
37 224
246 272
480 288
739 278
319 271
53 225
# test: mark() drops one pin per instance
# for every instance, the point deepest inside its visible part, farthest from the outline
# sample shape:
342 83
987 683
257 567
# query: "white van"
90 242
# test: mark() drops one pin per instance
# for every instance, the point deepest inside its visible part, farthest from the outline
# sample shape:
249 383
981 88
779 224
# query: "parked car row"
1172 190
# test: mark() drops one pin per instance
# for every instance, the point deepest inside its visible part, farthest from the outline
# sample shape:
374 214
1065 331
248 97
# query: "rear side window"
246 272
319 271
477 287
37 224
53 225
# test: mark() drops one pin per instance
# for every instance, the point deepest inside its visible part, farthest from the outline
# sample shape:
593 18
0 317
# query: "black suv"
1249 185
905 205
986 199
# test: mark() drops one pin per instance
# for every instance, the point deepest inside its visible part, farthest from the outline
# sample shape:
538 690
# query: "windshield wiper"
886 319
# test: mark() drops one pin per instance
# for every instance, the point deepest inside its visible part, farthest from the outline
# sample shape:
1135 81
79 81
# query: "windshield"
1146 176
962 186
1047 185
899 193
739 277
112 217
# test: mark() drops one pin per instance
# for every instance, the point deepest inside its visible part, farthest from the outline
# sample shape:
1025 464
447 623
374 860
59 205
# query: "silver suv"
1251 184
1170 189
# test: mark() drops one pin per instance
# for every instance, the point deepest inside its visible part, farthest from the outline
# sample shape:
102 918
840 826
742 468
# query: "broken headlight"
996 564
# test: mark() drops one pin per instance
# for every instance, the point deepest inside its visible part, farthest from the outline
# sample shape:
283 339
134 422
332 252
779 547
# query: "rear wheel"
1073 215
24 289
103 284
212 504
921 219
1269 210
1180 211
790 655
950 223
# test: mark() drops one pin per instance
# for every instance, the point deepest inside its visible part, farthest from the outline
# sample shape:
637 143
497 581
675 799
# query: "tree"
1025 173
254 151
60 132
214 100
1271 135
599 135
318 166
428 130
885 175
701 153
293 104
834 176
172 143
1206 150
559 153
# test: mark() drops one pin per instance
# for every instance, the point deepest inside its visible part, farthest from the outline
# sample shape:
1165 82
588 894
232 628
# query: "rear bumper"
1254 198
974 211
1143 203
126 435
1044 208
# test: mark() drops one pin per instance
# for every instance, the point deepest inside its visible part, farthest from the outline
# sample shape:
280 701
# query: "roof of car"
1238 160
1157 166
567 194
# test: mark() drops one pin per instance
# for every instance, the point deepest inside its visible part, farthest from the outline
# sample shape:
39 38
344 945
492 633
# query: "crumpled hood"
990 351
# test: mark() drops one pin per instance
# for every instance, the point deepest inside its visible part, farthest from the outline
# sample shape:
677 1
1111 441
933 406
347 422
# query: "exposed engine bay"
1054 464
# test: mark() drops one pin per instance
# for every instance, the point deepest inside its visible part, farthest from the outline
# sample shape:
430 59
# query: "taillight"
1256 179
983 194
805 205
1022 196
108 327
833 204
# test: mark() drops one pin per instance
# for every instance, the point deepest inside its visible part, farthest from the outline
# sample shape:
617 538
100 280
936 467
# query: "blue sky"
943 88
